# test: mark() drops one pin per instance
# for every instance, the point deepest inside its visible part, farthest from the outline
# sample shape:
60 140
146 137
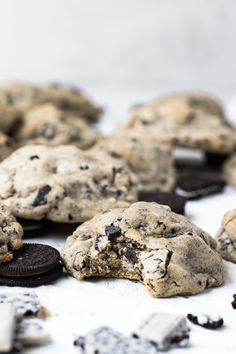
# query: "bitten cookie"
48 125
63 184
192 121
68 98
152 163
11 234
226 237
149 243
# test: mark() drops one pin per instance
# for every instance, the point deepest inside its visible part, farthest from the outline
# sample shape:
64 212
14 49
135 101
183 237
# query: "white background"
125 52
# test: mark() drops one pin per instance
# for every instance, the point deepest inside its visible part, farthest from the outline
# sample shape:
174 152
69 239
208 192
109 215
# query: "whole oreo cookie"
174 201
32 259
33 281
194 186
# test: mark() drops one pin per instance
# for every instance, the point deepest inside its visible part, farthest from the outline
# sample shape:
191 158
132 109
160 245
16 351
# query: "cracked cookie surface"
63 184
193 121
151 163
11 234
149 243
226 237
46 124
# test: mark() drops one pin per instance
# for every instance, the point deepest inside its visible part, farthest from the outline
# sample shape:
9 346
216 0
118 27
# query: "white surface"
77 307
159 42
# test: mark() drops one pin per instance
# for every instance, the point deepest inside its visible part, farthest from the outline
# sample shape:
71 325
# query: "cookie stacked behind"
52 115
192 120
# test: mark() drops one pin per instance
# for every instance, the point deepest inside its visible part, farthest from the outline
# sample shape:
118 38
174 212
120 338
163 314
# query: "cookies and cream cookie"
191 121
226 237
63 184
47 124
149 243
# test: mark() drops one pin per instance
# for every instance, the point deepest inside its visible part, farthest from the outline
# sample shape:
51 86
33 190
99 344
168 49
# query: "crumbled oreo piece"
105 340
233 303
113 231
33 281
32 332
165 330
7 327
41 198
26 304
174 201
34 228
194 186
32 259
206 321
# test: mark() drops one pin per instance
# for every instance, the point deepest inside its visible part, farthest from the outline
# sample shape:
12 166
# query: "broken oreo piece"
194 186
174 201
33 281
34 228
233 303
32 259
113 231
206 321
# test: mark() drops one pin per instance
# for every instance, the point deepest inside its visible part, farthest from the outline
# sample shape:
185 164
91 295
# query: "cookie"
11 234
226 237
46 124
174 201
63 184
68 98
206 321
177 120
165 330
105 340
148 243
31 259
34 228
7 327
34 280
229 169
194 186
26 304
32 332
10 117
6 146
151 163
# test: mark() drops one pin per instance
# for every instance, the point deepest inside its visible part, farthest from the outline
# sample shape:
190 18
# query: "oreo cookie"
174 201
33 265
34 228
215 161
33 281
194 186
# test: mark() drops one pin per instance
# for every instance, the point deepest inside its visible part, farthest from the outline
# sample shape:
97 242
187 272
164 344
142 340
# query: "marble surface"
77 307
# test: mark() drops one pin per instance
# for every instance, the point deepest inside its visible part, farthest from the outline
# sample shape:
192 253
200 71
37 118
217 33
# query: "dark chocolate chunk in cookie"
113 231
233 303
41 198
194 186
206 321
174 201
30 260
33 281
34 228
